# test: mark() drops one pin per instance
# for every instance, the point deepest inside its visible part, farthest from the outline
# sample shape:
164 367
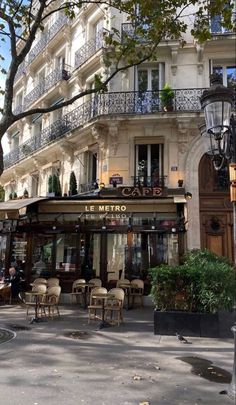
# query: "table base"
103 324
36 319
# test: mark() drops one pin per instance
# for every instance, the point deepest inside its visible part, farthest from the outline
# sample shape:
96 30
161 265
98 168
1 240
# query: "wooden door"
216 215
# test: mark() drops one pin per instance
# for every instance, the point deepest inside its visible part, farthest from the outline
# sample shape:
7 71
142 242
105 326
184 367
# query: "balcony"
53 78
129 30
216 27
149 181
21 70
90 48
122 103
18 109
45 39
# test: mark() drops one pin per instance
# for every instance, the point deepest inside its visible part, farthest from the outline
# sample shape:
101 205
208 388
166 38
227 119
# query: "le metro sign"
140 191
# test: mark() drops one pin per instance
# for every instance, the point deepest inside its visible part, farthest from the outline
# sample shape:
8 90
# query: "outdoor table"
126 288
103 297
37 295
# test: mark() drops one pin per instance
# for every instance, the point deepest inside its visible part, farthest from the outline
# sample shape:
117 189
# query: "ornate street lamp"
220 128
219 122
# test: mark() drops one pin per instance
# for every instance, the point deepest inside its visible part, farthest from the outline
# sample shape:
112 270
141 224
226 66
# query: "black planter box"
194 323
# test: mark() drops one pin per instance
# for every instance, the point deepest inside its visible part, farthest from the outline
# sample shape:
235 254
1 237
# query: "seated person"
15 281
39 267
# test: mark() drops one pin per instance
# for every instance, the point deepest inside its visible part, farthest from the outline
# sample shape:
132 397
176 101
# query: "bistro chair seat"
51 301
115 305
53 282
125 285
136 291
95 305
39 280
78 290
95 282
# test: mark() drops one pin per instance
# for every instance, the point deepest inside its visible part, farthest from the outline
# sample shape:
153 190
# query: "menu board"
19 250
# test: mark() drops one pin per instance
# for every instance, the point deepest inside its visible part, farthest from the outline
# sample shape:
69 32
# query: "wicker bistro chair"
95 282
78 290
29 298
125 285
136 291
95 305
52 282
115 305
51 301
39 280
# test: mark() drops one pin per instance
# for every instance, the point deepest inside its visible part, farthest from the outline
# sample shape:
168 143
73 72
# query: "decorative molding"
79 81
113 134
99 133
67 34
200 68
17 173
174 59
68 149
39 161
47 55
63 89
200 54
174 69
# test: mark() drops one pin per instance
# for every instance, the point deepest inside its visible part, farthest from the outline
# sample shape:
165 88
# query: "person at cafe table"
15 280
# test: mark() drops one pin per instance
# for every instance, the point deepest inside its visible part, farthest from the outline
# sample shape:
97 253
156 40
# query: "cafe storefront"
102 235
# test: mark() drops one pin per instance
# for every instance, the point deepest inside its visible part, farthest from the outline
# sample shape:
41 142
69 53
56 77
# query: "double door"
128 255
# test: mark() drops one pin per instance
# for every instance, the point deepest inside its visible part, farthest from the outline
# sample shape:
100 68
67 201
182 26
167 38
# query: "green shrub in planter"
205 281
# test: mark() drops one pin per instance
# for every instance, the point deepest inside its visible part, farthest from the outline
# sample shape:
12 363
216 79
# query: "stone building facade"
116 141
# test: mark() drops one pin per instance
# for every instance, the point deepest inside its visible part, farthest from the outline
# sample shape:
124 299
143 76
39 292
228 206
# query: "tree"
73 184
152 21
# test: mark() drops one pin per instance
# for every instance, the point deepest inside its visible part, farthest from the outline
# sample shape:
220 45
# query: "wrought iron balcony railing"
45 39
149 181
216 27
87 187
127 103
21 70
129 30
53 78
18 109
90 48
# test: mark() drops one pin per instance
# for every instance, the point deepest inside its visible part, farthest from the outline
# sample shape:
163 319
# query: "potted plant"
25 193
167 96
73 184
194 298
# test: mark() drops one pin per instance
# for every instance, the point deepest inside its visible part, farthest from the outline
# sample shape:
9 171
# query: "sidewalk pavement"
125 365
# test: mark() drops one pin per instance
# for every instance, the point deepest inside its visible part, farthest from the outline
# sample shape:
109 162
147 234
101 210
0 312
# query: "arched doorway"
216 215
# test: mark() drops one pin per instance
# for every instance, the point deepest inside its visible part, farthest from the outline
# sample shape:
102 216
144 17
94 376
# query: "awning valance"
13 208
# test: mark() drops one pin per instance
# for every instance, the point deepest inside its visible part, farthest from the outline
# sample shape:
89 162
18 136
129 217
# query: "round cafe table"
103 297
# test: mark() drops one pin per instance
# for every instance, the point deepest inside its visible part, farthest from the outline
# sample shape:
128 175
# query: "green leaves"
206 281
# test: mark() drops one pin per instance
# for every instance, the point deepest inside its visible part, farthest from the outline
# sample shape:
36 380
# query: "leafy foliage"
206 281
73 184
167 95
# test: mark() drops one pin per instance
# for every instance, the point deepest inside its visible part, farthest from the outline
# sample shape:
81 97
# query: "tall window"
34 184
149 81
151 78
149 165
97 32
228 73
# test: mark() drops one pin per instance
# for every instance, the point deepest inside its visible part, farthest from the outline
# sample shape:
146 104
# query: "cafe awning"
12 209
